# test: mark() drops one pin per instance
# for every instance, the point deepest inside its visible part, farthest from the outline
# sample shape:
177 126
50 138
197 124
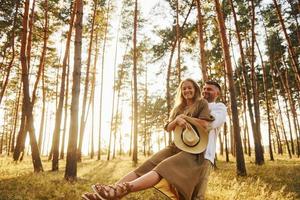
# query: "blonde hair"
180 103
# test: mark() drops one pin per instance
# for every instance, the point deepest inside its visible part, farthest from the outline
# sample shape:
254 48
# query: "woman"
178 166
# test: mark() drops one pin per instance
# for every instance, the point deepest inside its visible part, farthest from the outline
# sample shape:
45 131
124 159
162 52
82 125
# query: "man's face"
210 92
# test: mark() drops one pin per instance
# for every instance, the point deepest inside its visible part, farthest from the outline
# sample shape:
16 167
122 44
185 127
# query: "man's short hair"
210 82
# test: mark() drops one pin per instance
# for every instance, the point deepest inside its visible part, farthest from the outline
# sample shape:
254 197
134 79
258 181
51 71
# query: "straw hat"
192 139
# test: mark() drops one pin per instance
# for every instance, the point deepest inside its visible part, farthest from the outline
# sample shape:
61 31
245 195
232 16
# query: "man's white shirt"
219 112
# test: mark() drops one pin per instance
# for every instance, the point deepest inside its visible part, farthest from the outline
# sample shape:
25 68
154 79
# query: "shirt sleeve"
204 111
219 112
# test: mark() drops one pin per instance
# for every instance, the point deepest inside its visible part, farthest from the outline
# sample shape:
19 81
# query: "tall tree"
266 95
135 95
200 30
27 104
102 75
86 84
241 169
178 36
257 145
71 164
259 156
295 65
58 115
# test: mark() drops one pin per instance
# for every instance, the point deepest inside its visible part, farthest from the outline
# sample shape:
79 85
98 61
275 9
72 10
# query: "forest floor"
279 179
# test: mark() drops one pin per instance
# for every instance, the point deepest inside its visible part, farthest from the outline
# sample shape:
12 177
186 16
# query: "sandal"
112 192
90 196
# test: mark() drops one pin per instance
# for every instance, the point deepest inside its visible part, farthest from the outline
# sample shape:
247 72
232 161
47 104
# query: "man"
211 91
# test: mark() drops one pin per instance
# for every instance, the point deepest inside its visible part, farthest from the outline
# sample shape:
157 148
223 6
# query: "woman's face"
188 90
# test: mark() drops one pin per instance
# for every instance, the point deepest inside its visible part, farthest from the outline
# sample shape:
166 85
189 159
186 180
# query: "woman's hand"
180 121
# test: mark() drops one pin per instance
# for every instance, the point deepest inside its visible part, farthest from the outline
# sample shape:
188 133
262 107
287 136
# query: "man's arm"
219 112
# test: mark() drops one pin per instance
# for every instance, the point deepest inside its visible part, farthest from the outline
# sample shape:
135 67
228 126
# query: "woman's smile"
188 90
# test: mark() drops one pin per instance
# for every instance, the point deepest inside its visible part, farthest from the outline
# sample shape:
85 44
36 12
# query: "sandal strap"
113 192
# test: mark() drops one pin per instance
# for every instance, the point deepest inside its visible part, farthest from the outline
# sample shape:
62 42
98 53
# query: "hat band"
195 129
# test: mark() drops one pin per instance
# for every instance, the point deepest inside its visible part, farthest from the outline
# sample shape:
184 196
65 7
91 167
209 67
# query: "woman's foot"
112 192
90 196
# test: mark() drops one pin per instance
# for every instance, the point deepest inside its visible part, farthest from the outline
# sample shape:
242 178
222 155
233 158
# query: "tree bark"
71 164
259 155
178 36
201 42
27 104
241 169
58 116
245 75
29 39
280 113
266 94
62 154
86 86
135 96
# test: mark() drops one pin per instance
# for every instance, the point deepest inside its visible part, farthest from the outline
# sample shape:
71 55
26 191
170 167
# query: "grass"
274 180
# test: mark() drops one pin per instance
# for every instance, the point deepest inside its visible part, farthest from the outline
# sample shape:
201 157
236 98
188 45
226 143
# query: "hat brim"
203 134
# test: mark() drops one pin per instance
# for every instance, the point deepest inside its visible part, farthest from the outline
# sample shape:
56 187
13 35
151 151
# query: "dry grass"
274 180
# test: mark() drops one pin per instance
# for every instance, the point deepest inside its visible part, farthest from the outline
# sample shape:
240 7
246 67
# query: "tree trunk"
27 104
16 118
41 71
178 38
294 114
62 149
92 98
41 131
265 86
241 169
145 110
58 116
102 75
280 113
114 91
245 75
71 164
259 155
86 86
29 38
201 42
135 96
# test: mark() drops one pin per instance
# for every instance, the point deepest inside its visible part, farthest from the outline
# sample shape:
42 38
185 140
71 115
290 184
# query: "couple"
186 163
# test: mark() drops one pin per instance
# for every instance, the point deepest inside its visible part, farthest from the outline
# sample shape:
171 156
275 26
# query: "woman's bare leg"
128 177
143 182
146 181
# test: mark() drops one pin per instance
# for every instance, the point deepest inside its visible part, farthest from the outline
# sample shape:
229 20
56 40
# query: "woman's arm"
201 122
179 120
